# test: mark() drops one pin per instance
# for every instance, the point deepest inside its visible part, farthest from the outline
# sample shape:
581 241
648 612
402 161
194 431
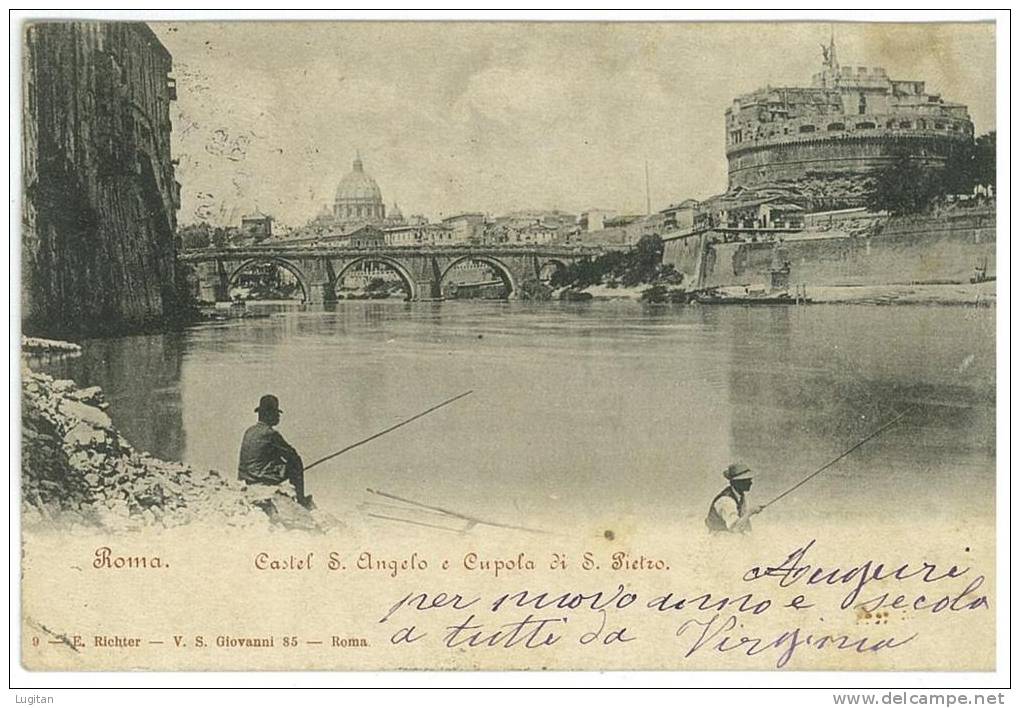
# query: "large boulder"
85 413
91 396
286 512
84 435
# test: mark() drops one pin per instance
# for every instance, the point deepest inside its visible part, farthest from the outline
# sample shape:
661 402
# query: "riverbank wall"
945 248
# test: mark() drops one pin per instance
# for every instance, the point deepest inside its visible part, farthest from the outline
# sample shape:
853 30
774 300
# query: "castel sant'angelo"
819 141
802 161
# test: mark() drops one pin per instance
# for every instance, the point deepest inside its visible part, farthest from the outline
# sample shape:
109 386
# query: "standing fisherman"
266 458
730 511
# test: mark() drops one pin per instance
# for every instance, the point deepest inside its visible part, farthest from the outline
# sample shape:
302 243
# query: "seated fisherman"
729 511
266 458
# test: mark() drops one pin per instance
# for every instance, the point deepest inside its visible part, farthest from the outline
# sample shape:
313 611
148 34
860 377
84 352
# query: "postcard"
473 346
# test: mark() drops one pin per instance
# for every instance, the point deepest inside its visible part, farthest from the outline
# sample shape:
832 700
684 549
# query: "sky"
492 117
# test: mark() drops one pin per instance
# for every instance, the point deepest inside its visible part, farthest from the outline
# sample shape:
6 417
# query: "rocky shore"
78 471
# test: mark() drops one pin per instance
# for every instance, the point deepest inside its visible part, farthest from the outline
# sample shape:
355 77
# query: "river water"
583 412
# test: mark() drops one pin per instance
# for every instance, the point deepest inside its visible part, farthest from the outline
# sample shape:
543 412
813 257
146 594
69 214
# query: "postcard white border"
50 683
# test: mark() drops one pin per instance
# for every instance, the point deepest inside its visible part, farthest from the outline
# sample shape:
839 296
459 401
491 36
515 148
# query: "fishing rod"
388 430
834 460
472 521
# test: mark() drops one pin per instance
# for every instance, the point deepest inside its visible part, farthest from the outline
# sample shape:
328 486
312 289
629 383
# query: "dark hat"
738 471
269 403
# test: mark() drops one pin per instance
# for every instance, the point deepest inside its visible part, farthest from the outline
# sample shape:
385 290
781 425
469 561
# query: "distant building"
535 233
466 227
624 230
368 236
595 219
530 226
411 235
759 214
680 217
563 222
849 123
355 236
257 226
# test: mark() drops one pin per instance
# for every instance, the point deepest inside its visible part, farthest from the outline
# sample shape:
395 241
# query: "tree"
984 160
194 235
958 174
645 261
904 187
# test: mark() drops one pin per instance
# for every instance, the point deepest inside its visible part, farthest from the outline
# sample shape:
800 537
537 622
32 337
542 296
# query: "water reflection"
582 411
141 378
814 381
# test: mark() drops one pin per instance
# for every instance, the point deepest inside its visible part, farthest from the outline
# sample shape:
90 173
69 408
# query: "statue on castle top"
829 53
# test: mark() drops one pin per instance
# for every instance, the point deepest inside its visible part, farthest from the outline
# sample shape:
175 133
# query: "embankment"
947 248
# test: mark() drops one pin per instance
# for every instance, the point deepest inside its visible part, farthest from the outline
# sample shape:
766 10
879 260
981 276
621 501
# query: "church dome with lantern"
358 197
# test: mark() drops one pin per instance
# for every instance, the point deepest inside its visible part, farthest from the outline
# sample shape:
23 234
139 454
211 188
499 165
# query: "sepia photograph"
463 346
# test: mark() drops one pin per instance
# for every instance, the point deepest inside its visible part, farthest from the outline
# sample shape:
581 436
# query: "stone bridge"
319 269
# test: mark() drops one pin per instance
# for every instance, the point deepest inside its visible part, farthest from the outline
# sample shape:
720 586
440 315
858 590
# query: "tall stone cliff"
99 200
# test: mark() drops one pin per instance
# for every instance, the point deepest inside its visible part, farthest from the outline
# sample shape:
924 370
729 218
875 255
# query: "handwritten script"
812 605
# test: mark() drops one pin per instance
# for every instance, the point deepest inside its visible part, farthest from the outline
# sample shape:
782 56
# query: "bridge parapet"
318 269
203 254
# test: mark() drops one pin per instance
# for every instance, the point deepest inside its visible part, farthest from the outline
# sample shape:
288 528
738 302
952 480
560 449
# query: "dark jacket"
265 455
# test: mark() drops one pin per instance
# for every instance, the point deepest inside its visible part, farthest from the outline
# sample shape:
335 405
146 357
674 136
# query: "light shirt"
726 507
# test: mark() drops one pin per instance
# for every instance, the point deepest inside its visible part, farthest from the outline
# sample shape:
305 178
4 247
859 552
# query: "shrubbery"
642 264
665 294
906 187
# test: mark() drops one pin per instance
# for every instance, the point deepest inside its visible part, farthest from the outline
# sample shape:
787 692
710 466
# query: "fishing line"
388 430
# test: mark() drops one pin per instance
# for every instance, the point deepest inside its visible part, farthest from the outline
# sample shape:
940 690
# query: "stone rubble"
78 471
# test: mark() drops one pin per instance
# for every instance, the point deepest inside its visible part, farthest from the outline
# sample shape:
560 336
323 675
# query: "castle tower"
824 139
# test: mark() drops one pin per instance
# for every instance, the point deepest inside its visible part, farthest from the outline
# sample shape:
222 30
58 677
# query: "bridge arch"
497 265
282 263
399 268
